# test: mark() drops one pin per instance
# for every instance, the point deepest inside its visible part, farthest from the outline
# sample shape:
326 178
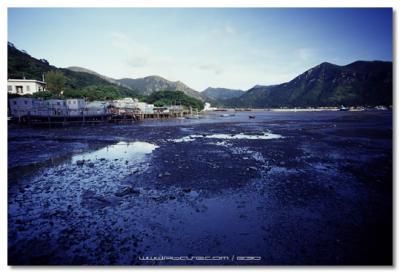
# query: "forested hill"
366 83
21 64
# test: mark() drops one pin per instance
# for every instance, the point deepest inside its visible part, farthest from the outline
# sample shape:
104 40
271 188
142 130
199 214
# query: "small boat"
252 116
381 107
342 108
224 115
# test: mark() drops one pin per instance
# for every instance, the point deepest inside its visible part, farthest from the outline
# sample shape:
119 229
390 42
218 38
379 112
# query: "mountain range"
358 83
221 94
144 86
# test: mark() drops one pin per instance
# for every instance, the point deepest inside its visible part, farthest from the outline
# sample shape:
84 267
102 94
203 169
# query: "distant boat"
251 116
357 109
342 108
224 115
381 107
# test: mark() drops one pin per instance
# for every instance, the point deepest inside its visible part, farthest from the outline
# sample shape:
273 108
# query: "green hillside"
359 83
21 64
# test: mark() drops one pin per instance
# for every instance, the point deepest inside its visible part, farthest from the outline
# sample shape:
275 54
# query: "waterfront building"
24 86
20 106
96 108
75 107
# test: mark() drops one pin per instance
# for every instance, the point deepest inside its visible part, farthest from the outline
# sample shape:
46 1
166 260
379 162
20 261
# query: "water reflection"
121 150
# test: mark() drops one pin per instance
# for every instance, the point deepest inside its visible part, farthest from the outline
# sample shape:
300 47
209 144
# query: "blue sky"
218 47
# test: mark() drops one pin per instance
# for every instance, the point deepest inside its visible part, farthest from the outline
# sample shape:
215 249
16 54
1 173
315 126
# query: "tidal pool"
122 151
264 135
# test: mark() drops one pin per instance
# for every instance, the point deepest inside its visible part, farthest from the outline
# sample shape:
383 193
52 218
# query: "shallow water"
122 150
264 136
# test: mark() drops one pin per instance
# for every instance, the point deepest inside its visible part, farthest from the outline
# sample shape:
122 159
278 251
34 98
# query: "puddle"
121 151
229 136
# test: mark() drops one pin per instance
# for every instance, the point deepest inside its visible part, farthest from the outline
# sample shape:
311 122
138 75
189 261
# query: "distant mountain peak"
359 83
153 83
326 64
220 94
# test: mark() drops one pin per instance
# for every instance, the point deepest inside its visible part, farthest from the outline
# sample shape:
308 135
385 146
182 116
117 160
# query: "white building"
23 86
145 108
129 104
207 107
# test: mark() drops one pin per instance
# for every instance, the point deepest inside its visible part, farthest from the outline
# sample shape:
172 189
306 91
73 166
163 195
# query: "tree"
94 92
166 97
43 95
56 82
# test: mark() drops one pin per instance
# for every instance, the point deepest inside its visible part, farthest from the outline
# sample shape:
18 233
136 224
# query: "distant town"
25 108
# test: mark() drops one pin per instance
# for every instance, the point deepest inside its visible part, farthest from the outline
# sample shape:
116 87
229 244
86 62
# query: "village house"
144 107
57 107
75 107
127 105
96 108
20 107
24 86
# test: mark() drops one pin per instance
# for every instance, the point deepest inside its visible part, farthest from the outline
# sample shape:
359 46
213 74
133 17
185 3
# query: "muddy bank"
287 188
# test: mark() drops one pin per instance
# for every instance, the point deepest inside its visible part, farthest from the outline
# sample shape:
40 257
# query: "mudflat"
282 188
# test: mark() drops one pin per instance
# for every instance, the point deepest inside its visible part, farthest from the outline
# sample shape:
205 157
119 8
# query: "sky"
219 47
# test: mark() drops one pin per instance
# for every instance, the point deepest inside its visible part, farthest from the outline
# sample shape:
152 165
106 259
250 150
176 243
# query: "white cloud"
230 29
213 67
137 55
305 54
135 61
224 29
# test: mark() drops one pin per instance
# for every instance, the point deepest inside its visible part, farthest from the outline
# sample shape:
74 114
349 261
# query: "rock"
126 190
91 165
187 190
158 198
102 159
80 162
167 174
160 175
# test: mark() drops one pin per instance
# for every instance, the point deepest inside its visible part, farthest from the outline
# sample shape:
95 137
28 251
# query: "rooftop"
25 80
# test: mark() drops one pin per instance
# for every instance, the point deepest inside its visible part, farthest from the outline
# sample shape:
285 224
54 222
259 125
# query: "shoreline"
351 109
